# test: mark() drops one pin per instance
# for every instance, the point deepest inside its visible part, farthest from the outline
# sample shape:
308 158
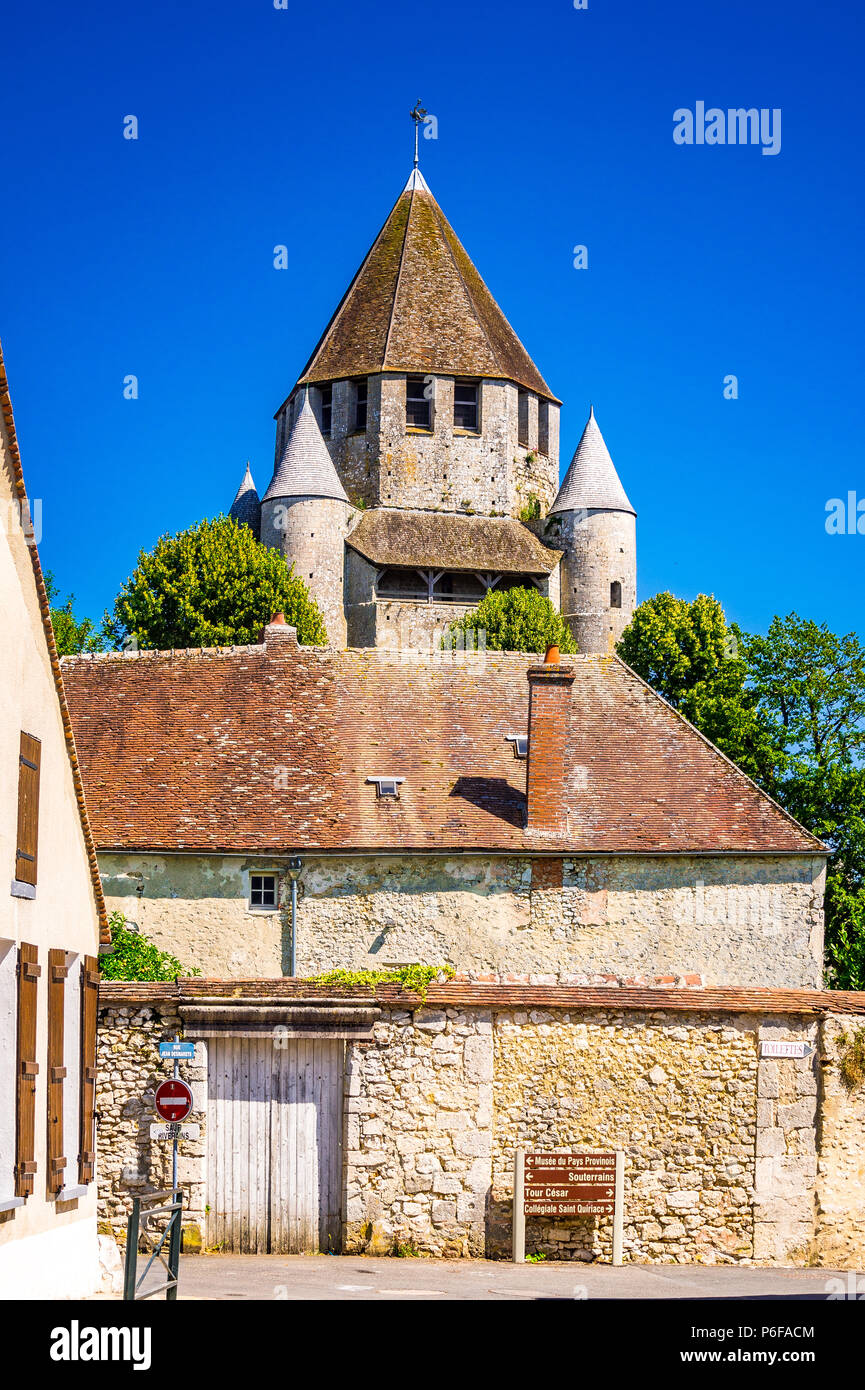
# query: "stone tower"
596 526
305 513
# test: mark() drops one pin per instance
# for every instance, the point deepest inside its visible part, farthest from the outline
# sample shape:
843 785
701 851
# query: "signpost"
786 1049
173 1100
568 1185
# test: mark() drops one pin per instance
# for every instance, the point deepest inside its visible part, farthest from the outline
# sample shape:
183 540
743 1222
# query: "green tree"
210 586
518 620
133 957
71 634
789 708
691 655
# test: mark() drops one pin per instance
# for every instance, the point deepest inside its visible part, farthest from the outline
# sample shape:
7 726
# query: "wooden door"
274 1144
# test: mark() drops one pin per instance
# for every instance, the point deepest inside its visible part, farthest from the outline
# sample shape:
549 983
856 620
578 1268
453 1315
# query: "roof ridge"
393 301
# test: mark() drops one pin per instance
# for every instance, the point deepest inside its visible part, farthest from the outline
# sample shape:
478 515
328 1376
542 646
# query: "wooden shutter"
29 762
57 972
89 999
26 1068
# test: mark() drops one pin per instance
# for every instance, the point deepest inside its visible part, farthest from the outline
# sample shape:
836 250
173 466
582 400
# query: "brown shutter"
89 999
57 972
29 762
27 1067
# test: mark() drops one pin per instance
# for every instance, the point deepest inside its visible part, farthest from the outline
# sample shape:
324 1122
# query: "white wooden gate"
274 1144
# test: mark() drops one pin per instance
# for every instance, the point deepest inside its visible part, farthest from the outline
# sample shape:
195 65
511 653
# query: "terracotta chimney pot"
278 618
552 656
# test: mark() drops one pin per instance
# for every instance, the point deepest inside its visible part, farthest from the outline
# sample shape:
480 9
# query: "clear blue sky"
260 126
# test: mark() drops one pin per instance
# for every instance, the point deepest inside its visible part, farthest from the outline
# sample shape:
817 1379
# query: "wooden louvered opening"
27 1069
26 853
89 1002
56 1159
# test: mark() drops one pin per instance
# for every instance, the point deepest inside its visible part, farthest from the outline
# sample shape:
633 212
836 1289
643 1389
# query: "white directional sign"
786 1049
175 1131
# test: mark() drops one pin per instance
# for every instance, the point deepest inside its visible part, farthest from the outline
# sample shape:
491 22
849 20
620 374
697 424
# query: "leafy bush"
211 586
518 620
133 957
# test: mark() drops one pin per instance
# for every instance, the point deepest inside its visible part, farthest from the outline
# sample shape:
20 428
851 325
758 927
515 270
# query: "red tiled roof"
268 748
493 996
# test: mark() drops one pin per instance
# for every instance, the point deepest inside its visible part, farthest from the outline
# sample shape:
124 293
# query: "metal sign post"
519 1236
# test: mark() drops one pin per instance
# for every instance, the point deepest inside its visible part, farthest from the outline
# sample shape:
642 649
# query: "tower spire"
417 116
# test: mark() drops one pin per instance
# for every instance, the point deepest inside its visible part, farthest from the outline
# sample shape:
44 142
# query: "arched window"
615 594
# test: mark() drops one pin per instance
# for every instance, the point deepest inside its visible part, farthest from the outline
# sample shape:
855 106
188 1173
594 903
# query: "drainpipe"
293 869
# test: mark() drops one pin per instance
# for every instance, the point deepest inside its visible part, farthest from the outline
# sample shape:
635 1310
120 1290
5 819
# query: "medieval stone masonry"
731 1158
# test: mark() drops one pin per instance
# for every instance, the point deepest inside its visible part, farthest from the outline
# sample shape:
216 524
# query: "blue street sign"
177 1050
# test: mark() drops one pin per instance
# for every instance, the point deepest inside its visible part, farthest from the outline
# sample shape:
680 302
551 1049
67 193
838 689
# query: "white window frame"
259 907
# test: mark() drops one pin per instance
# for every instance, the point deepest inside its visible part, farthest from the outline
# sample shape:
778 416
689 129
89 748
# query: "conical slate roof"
417 304
246 507
592 480
306 468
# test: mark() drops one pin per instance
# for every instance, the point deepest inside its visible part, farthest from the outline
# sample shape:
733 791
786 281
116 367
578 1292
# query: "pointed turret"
591 480
306 514
246 507
305 469
598 531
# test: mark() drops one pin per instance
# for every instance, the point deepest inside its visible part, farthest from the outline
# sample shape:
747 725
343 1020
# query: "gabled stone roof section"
178 751
446 540
306 468
591 481
417 304
246 507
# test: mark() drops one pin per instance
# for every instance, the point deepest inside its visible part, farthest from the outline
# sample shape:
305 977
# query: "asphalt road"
346 1277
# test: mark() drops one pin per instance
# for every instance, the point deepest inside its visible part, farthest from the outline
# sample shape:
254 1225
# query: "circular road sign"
173 1099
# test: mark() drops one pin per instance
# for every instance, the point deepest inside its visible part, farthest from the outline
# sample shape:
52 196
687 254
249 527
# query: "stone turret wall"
391 465
310 532
600 548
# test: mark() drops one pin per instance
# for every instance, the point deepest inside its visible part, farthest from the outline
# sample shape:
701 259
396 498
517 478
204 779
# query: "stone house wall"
733 921
729 1157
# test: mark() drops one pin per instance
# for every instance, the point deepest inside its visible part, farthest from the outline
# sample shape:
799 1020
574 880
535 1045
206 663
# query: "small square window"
466 405
263 890
418 412
521 744
387 786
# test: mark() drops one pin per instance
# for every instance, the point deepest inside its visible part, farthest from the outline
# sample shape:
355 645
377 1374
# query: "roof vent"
387 786
520 742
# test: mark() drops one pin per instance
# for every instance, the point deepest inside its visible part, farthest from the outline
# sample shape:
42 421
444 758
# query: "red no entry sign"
173 1099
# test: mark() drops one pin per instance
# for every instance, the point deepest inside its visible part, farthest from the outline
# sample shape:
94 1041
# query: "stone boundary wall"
729 1157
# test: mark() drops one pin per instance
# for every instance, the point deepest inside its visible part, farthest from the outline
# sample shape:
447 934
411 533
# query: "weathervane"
417 116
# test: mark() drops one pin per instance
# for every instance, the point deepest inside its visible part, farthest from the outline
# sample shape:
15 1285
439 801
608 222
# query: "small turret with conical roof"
246 507
306 514
598 532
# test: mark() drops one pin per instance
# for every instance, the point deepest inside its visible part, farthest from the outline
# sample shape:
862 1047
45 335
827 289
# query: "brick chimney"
549 728
280 633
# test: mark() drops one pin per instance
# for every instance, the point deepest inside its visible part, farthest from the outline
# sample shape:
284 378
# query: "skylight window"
521 744
387 786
